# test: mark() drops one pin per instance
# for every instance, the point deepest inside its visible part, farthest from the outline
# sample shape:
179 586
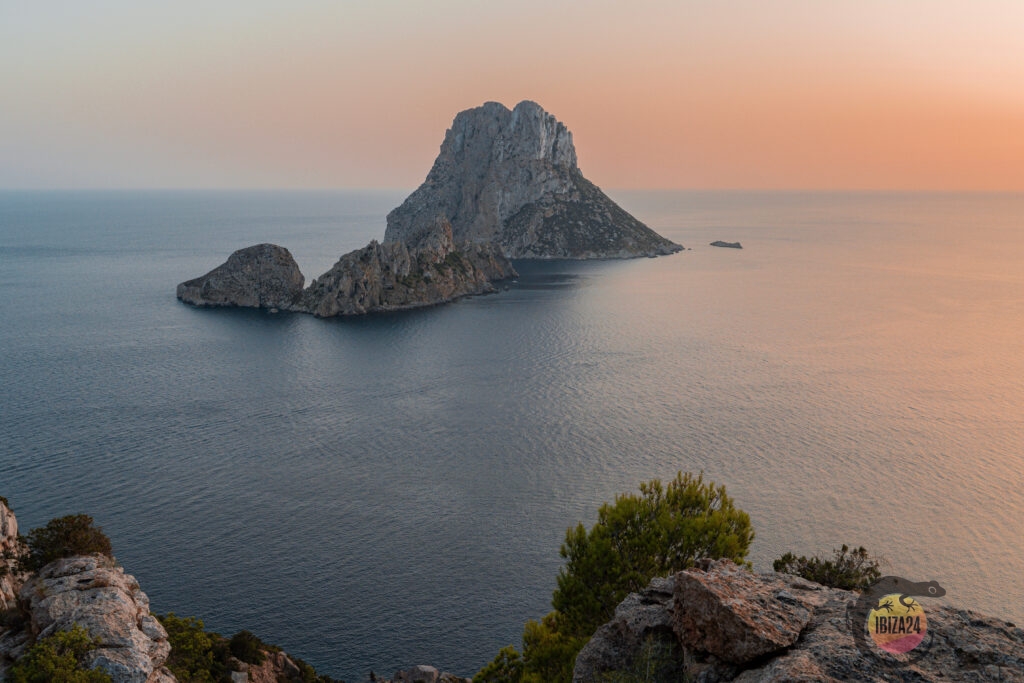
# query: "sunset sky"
864 94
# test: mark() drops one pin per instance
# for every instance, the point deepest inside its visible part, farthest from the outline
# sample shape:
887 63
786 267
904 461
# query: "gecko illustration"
857 612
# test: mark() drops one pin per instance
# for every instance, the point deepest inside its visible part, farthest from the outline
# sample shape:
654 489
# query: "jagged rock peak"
510 177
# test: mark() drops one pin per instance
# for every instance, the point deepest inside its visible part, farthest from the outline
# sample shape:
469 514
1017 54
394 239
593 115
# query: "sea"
383 491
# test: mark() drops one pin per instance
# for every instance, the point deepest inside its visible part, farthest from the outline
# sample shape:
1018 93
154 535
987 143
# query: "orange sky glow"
905 95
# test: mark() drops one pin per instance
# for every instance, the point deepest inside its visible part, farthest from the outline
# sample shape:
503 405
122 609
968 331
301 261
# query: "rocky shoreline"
713 623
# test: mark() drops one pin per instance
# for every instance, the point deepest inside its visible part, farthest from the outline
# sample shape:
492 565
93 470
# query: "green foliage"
195 657
59 658
849 569
201 656
247 647
64 537
548 651
506 667
664 529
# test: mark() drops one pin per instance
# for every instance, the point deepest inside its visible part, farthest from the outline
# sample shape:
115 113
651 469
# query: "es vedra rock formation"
510 177
505 185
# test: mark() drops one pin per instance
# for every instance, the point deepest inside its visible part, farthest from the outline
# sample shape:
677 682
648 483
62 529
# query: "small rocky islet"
506 184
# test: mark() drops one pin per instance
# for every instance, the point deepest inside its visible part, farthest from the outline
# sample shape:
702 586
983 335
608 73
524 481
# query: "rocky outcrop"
10 548
427 269
511 178
739 616
725 623
728 245
94 593
261 276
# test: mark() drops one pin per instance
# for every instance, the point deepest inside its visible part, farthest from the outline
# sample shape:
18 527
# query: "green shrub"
64 537
59 657
849 569
194 656
663 530
247 647
201 656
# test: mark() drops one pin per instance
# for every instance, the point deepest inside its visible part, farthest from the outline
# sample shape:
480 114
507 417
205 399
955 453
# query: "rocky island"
426 269
505 185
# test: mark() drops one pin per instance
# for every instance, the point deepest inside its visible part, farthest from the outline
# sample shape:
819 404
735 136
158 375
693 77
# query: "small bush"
247 647
59 657
64 537
848 569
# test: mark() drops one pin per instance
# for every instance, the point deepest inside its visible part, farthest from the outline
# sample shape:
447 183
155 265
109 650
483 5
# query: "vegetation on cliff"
664 529
201 656
58 657
64 537
853 570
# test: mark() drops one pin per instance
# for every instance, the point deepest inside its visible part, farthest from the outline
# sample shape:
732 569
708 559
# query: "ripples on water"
392 490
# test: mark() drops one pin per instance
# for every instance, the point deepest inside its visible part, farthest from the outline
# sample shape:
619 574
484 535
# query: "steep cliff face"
510 177
10 580
427 268
721 622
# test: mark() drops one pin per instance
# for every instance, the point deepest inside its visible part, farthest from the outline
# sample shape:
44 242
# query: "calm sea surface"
392 490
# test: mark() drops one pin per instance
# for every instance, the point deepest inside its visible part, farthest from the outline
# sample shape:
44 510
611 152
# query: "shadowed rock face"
510 178
426 269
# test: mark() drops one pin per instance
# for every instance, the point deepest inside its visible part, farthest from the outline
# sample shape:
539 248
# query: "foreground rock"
10 579
510 178
426 269
92 592
723 623
261 276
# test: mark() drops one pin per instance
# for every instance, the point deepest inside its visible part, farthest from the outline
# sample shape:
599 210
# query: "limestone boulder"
736 615
94 593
